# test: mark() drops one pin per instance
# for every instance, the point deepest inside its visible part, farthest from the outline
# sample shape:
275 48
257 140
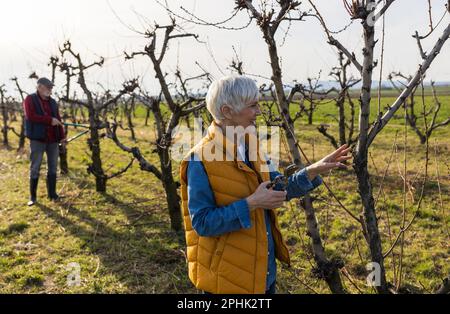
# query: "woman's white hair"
235 91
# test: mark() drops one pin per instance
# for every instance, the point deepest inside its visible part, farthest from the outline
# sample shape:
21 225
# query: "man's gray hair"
235 91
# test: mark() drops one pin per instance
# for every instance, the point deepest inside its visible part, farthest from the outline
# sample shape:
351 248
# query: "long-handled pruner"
100 125
76 125
74 137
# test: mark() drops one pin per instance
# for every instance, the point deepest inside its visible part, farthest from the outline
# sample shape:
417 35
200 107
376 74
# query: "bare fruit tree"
365 12
95 124
412 116
345 121
4 112
269 17
177 107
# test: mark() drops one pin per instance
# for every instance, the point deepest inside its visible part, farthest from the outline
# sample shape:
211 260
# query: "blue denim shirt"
209 220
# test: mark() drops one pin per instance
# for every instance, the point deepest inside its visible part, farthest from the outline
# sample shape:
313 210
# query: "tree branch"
144 164
381 123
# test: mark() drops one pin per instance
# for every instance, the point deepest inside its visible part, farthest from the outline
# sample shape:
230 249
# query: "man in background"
44 129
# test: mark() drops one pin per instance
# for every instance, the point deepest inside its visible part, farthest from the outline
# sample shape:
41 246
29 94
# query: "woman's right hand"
266 198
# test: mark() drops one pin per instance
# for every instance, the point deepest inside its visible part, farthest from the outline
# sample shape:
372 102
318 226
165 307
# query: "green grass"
329 108
123 244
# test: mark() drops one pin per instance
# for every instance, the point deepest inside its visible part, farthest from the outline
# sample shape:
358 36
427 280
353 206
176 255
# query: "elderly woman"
229 208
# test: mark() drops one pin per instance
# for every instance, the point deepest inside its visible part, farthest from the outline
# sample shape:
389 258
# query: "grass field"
123 244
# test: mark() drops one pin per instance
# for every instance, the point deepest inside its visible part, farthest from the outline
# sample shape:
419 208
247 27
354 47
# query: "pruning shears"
76 125
280 182
75 136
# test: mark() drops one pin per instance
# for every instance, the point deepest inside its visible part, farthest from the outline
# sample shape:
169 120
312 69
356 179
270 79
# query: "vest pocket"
218 252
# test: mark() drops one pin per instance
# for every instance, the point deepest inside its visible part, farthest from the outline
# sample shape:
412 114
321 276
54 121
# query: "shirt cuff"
316 181
309 185
243 213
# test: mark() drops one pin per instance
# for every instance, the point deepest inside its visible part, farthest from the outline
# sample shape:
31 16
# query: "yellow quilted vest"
234 262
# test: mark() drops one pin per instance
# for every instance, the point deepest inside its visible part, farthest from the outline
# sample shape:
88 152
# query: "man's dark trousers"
37 149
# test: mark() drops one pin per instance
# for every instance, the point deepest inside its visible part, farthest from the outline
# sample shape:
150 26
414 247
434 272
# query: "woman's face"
246 117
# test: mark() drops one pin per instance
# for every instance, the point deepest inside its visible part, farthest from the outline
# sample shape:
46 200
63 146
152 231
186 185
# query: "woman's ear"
226 112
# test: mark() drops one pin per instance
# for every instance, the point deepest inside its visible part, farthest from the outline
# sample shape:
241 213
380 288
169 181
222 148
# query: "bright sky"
32 30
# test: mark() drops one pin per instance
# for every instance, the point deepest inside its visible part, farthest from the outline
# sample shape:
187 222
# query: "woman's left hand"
329 162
